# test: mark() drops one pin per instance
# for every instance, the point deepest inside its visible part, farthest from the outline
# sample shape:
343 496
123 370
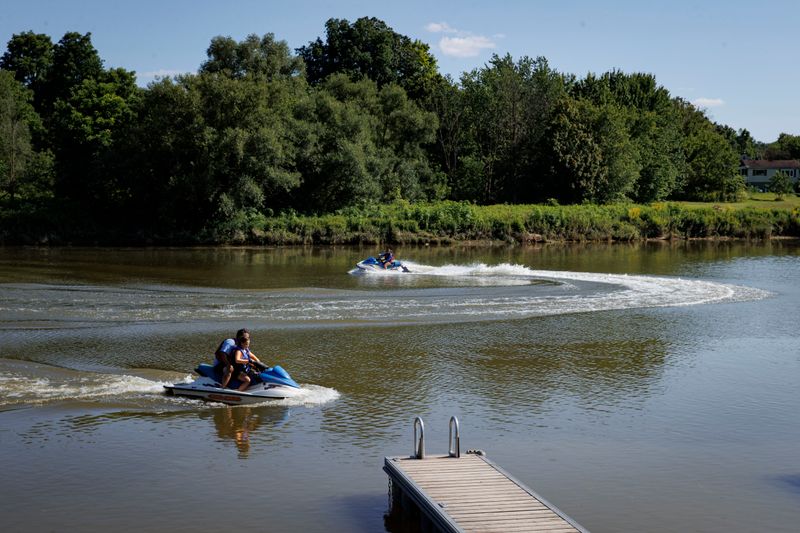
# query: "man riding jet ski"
384 261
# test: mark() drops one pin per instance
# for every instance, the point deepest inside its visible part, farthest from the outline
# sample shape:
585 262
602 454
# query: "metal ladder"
453 444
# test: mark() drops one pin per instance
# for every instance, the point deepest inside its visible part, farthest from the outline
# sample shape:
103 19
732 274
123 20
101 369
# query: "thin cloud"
440 27
708 102
470 46
460 43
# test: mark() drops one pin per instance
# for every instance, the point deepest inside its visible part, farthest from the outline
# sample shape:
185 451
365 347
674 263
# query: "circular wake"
448 293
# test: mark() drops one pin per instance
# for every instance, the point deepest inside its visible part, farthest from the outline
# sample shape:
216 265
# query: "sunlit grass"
758 200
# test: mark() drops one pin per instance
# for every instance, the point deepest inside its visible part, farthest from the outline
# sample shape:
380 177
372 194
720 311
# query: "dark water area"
646 387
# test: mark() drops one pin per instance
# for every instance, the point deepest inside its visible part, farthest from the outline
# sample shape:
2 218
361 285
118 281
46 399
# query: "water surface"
639 388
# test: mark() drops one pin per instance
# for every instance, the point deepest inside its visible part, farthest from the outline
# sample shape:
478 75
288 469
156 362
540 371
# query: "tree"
591 154
360 145
226 147
30 56
74 60
261 58
653 122
657 137
741 141
86 126
369 48
19 163
780 184
786 147
508 106
712 168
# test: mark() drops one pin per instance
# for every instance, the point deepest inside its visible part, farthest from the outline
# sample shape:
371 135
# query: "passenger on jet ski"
244 359
386 258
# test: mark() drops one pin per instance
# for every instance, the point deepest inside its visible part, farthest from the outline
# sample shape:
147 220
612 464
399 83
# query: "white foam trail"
17 389
22 389
310 395
617 291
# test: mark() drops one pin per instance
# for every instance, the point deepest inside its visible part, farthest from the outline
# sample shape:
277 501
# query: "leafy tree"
75 59
786 147
653 122
591 154
712 168
780 184
86 126
508 106
363 145
30 56
741 141
447 102
258 57
369 48
17 118
657 137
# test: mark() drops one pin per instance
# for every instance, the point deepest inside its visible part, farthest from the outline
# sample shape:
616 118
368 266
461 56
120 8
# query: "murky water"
639 388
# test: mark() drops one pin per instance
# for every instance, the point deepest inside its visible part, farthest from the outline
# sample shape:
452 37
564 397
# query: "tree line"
351 121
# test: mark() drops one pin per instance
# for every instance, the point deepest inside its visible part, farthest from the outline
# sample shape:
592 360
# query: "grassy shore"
759 217
450 222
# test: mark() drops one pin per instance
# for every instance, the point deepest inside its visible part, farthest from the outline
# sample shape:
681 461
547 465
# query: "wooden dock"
468 493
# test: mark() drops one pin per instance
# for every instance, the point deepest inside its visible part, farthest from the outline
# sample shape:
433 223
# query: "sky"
735 59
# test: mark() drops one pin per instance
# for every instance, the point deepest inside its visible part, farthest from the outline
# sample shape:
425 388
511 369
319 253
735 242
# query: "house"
758 172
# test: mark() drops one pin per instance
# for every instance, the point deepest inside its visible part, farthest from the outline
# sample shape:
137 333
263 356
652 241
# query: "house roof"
766 164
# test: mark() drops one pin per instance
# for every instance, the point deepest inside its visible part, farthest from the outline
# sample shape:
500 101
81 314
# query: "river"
645 387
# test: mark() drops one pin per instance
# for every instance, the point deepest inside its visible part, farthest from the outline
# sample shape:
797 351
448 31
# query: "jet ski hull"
206 389
371 263
270 384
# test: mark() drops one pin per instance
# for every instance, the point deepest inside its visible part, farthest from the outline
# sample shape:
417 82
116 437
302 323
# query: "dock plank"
470 493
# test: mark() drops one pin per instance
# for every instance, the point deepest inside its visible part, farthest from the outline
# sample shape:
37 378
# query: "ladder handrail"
419 447
454 448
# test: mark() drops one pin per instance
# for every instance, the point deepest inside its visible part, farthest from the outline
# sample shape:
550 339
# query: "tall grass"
447 222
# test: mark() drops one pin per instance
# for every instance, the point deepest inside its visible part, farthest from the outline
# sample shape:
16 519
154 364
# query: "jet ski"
370 263
271 383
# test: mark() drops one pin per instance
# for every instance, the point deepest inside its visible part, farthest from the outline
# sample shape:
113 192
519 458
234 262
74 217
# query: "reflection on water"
240 424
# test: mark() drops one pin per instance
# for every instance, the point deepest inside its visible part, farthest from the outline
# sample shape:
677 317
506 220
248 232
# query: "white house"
758 172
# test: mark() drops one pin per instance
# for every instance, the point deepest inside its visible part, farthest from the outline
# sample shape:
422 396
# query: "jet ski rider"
224 358
386 258
243 359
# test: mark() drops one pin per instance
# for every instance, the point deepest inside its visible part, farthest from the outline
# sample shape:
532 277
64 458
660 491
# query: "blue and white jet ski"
371 263
272 383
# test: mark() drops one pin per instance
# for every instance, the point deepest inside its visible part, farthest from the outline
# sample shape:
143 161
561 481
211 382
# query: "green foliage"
361 125
24 172
653 124
369 49
362 144
257 57
786 147
507 107
591 152
86 126
711 164
780 184
30 57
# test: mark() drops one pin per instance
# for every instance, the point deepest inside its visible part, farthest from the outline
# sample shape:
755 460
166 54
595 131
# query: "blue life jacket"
239 366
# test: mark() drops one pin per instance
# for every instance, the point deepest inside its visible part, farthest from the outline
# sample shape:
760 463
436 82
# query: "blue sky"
734 58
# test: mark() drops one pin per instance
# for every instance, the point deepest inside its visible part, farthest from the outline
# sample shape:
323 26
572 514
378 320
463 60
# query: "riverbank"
442 223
